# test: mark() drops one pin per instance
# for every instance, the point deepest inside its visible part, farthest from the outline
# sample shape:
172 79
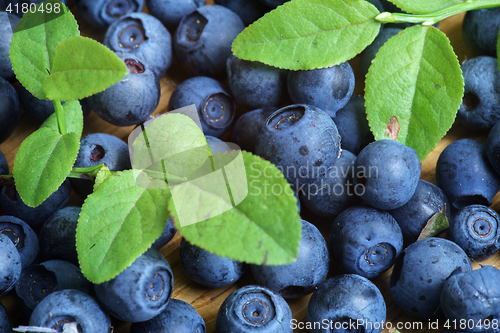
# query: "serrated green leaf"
309 34
34 43
82 67
437 224
103 174
43 161
171 143
73 117
262 228
424 6
414 88
119 221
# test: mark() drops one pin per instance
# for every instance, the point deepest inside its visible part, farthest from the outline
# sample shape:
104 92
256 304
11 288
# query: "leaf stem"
61 122
86 173
432 18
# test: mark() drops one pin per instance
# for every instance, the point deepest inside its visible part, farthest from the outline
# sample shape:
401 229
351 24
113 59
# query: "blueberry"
208 269
141 291
493 147
475 229
305 274
254 309
203 39
480 31
217 145
168 233
23 237
248 11
8 23
178 317
12 204
388 171
413 216
365 241
97 148
10 109
328 88
247 127
143 35
329 195
40 280
352 125
480 108
465 175
4 165
171 12
371 50
346 300
213 101
69 306
273 3
301 140
101 13
10 265
254 84
473 297
130 101
5 326
420 273
57 236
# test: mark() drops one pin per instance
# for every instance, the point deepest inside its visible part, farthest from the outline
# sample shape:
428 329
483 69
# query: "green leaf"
414 88
34 43
171 143
102 175
119 221
435 225
82 67
73 116
309 34
43 161
424 6
262 228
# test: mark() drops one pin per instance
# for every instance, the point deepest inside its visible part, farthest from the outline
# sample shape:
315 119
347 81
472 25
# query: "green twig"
86 173
438 15
61 122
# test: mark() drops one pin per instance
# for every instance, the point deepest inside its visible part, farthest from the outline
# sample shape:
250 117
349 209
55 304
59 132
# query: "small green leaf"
424 6
102 175
309 34
34 43
43 161
82 67
171 143
119 221
414 88
436 225
73 116
262 228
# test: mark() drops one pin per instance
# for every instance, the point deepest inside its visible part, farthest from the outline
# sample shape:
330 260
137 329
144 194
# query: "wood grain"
207 301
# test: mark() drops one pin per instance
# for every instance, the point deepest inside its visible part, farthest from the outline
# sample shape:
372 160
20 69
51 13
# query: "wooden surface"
207 301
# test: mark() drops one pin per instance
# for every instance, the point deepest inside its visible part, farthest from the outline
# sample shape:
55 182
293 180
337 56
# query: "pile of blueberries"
311 126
